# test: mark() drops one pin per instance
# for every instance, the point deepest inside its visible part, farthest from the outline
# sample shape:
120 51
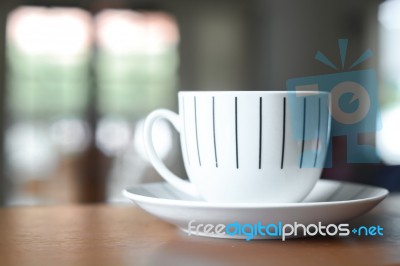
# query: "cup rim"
257 92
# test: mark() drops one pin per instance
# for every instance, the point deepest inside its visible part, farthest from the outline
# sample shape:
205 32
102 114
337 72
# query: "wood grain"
125 235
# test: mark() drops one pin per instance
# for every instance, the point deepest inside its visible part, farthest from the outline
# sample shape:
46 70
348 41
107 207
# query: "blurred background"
78 77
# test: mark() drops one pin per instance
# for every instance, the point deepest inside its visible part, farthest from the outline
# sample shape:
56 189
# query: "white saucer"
330 202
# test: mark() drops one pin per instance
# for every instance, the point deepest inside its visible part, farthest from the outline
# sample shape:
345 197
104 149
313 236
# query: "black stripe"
304 131
184 128
215 143
195 123
236 133
319 127
260 144
283 131
328 117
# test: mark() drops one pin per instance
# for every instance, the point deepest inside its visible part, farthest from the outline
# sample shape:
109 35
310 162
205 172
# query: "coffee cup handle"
170 177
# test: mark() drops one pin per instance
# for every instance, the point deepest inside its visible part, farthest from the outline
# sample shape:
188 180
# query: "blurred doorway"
78 86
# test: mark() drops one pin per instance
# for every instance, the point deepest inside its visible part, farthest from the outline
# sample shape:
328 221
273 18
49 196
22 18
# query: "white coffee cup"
247 146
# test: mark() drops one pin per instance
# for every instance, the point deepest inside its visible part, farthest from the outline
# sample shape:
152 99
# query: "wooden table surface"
126 235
